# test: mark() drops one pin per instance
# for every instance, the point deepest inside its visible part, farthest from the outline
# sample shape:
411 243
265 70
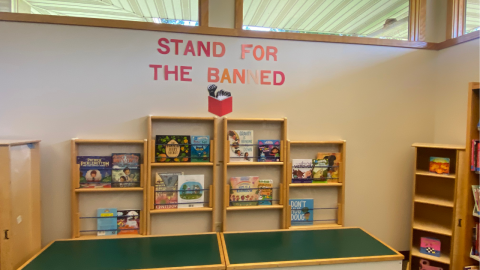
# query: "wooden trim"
5 208
439 146
316 185
256 207
96 190
73 194
181 118
35 256
224 245
79 141
181 164
238 14
220 248
371 235
255 163
180 210
317 142
458 40
203 13
226 188
12 143
455 18
306 228
417 20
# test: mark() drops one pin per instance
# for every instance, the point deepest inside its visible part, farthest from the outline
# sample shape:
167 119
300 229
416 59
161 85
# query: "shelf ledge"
427 173
255 164
180 164
255 207
180 210
316 184
442 259
86 190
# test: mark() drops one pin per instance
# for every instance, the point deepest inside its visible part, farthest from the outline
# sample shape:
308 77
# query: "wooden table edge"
134 237
35 256
392 249
300 229
202 267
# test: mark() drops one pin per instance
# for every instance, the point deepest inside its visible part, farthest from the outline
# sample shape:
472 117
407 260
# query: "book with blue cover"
268 150
302 212
106 221
95 171
200 151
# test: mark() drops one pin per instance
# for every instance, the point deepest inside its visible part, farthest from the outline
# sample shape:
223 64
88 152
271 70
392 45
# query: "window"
183 12
360 18
472 16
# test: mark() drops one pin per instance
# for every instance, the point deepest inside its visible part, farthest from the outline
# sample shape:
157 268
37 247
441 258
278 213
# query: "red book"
472 158
477 165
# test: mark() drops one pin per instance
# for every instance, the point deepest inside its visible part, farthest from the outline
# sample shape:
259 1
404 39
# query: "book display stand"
328 198
434 206
83 206
263 129
161 217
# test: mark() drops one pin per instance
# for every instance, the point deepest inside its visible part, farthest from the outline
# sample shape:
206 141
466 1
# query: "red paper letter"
275 73
155 72
263 75
183 72
166 72
189 48
206 50
215 54
213 72
255 54
167 49
244 49
237 74
273 53
176 41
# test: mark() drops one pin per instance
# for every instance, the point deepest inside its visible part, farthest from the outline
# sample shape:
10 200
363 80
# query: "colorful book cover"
476 197
302 212
477 156
425 265
268 150
172 148
265 191
106 221
166 190
95 171
439 165
326 167
430 246
302 170
126 170
200 149
473 158
244 190
191 191
128 221
241 145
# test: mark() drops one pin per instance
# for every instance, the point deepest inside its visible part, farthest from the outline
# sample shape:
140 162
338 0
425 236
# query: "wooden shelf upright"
435 205
317 146
247 123
75 181
183 127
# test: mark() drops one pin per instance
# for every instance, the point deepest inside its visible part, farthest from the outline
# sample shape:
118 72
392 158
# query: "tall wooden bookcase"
105 197
20 212
435 205
184 220
267 129
331 212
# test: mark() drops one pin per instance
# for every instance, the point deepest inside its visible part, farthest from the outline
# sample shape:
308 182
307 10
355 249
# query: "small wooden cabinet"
20 230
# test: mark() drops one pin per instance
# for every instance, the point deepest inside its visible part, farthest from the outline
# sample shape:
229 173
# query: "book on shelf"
125 170
200 151
302 170
191 191
430 246
172 148
241 145
244 190
166 190
302 212
326 167
95 171
425 265
128 221
268 150
474 158
472 267
106 221
476 198
475 240
439 165
265 191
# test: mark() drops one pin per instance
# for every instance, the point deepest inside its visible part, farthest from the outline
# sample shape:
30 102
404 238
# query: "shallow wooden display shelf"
179 210
427 173
439 146
442 259
180 164
255 164
476 215
87 141
255 207
91 236
433 201
430 227
316 184
475 257
317 142
82 190
315 226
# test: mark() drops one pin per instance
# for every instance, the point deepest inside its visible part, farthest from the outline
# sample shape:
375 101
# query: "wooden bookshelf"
250 124
173 125
434 203
93 147
339 146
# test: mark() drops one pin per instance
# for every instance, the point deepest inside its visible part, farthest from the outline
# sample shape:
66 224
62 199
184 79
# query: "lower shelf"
81 190
431 227
444 258
254 207
326 226
475 257
179 210
109 236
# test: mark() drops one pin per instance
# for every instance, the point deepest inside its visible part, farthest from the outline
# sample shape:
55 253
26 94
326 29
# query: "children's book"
241 145
302 170
265 191
166 190
106 221
191 191
425 265
126 170
128 221
439 165
430 246
268 150
476 197
302 212
95 171
326 167
172 148
200 149
473 267
244 190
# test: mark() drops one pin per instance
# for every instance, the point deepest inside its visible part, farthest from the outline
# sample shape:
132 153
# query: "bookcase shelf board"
337 187
173 125
104 146
434 202
263 126
476 258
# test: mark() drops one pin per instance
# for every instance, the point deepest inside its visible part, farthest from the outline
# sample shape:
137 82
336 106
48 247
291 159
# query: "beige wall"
60 82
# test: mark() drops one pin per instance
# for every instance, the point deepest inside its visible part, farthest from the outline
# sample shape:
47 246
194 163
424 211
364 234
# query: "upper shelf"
180 164
255 164
427 173
439 146
316 184
17 142
86 190
109 141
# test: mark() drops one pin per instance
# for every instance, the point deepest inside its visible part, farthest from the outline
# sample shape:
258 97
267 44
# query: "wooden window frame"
455 18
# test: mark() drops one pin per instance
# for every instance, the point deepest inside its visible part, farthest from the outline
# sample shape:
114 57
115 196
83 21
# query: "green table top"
277 246
129 253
